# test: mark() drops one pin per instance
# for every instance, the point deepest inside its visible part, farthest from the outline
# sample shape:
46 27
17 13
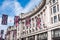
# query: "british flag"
4 19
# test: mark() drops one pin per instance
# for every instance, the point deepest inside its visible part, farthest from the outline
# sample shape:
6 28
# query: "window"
55 19
54 9
38 37
57 33
59 17
54 1
26 27
57 7
31 38
36 28
23 27
29 30
23 39
51 10
33 30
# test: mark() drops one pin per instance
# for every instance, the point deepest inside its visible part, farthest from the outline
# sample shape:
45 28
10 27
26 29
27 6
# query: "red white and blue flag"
16 20
4 19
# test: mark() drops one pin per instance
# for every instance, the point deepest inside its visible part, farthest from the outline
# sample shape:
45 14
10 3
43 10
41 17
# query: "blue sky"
15 7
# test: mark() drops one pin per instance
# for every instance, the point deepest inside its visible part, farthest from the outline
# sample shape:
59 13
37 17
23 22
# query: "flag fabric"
38 22
28 22
4 19
16 20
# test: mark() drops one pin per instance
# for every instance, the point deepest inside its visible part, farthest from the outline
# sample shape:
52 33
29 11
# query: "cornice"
35 11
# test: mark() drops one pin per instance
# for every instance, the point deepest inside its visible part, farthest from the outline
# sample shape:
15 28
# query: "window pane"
59 33
37 37
54 9
56 34
59 17
57 7
51 10
55 19
53 1
52 33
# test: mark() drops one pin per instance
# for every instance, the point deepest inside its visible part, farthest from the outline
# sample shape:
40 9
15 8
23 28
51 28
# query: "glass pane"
51 10
37 37
59 33
52 33
59 17
57 7
53 1
55 19
54 9
52 20
56 34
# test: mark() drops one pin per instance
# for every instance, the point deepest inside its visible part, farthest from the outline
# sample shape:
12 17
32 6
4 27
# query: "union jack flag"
16 20
4 19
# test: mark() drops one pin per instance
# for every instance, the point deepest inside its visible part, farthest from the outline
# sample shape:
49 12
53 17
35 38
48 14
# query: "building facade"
43 23
11 33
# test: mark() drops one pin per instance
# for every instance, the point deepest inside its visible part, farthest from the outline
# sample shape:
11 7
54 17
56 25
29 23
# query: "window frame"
55 19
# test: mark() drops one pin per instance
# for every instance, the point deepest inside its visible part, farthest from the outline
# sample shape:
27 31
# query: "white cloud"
31 5
10 19
18 8
5 4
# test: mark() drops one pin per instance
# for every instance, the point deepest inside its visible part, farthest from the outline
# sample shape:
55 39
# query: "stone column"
35 23
49 35
20 30
48 16
31 23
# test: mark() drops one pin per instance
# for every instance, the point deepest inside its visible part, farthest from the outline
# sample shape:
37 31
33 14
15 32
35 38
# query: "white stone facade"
11 33
49 13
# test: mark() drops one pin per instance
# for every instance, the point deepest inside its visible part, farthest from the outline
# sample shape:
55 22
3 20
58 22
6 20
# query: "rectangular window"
57 7
51 10
38 37
54 9
54 1
23 27
59 17
52 20
55 19
26 27
52 33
